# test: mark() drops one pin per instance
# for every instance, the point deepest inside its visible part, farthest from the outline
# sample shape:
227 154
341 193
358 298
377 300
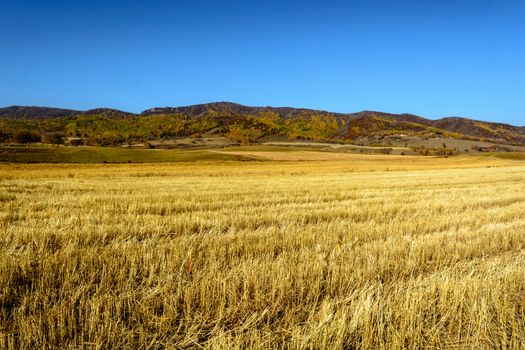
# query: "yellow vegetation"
318 255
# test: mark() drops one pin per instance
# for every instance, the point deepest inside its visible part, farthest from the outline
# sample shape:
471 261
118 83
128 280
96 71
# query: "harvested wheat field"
264 255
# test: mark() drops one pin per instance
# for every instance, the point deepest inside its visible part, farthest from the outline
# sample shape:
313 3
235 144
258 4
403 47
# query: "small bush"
53 138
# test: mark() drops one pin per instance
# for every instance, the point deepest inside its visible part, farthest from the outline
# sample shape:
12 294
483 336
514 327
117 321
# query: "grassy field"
369 252
42 154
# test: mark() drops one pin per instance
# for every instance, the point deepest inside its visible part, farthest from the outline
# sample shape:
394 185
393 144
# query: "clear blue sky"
432 58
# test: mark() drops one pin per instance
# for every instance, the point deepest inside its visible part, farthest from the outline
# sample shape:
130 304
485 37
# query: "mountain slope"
234 109
26 112
365 123
107 112
284 121
494 131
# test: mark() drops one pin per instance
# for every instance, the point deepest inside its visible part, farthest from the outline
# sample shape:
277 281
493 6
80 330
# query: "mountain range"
349 125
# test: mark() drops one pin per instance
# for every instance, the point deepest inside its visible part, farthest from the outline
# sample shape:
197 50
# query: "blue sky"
432 58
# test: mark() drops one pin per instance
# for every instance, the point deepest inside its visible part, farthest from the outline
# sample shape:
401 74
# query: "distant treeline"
105 131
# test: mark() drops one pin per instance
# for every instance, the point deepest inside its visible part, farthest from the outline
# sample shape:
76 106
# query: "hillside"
237 109
246 124
106 112
494 131
30 112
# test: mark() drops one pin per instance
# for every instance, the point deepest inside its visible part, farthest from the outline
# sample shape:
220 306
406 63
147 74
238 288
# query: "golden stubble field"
300 255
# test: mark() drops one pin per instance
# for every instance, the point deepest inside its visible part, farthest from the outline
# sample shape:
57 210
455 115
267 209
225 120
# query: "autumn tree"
244 136
26 137
54 138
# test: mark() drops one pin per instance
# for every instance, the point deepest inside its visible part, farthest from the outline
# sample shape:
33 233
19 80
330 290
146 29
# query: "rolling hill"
223 117
31 112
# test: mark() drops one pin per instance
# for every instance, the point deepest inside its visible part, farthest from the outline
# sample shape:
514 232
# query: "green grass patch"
109 155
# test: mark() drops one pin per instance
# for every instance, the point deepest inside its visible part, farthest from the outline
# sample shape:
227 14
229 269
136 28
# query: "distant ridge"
230 107
364 123
108 112
33 112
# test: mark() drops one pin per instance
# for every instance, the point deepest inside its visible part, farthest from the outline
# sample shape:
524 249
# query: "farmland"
259 249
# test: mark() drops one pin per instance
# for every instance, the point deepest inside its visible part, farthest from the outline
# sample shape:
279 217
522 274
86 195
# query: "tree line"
100 130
